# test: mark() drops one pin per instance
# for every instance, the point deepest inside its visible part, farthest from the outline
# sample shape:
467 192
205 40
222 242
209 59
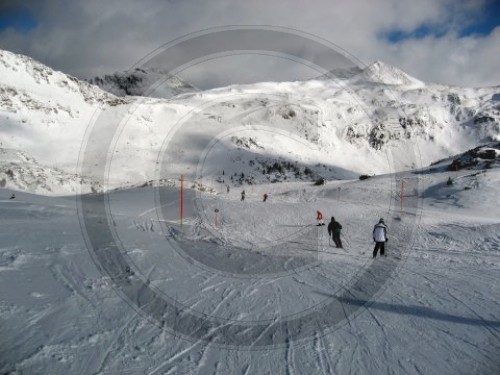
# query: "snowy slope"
44 114
22 172
438 314
380 72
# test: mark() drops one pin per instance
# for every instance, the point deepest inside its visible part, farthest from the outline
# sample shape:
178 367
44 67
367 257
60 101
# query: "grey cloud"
88 38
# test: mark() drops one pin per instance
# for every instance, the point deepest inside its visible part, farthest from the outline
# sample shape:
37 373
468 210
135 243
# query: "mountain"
380 72
265 132
43 118
139 82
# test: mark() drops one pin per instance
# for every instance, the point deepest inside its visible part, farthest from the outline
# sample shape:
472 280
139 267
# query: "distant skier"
380 237
13 196
449 182
334 229
265 196
243 195
227 187
319 217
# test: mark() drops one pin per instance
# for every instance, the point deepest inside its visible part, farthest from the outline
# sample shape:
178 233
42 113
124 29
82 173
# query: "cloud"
92 37
453 60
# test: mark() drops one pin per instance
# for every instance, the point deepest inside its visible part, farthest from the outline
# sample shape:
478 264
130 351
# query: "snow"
114 282
390 75
438 313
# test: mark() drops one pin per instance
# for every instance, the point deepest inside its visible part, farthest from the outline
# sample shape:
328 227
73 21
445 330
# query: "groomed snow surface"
256 263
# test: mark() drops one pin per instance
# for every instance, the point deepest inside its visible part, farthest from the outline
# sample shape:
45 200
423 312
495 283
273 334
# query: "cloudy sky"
447 41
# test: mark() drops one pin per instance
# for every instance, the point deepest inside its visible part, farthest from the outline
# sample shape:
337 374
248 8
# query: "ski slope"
437 313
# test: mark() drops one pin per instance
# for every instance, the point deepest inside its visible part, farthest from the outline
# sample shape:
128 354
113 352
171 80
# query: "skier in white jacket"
380 237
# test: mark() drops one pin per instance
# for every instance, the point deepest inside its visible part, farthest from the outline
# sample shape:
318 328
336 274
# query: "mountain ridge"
139 82
46 114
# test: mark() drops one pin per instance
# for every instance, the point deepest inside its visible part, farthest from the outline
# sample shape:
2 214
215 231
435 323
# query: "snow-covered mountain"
380 72
140 82
44 112
265 132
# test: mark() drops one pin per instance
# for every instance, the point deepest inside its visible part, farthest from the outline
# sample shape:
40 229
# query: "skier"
334 229
243 195
449 182
13 196
265 196
319 217
227 187
380 237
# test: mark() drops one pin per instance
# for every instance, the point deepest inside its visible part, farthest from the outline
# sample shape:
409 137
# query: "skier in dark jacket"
380 237
334 229
243 195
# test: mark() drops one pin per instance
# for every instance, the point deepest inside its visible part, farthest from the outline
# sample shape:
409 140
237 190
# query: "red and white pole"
182 198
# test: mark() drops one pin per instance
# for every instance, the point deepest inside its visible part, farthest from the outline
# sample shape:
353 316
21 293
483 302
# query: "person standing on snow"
380 237
334 228
319 217
243 195
265 196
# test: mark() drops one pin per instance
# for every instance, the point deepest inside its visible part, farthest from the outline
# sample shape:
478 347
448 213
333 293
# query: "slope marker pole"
182 198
